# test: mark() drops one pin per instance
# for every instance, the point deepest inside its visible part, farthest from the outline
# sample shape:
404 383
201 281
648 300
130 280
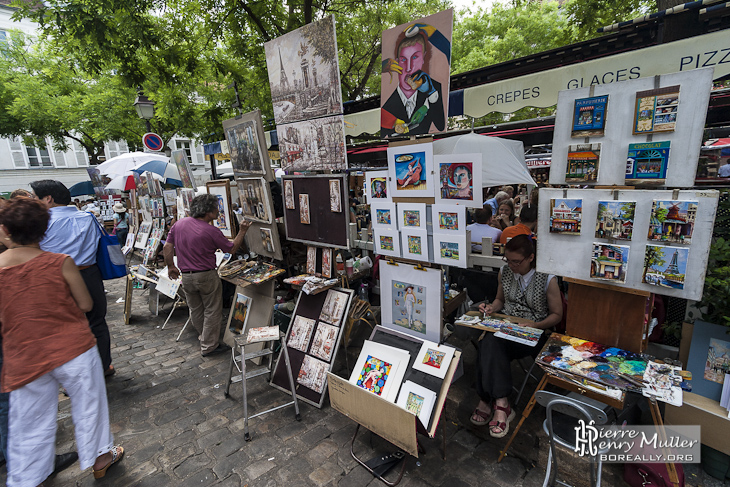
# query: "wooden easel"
608 315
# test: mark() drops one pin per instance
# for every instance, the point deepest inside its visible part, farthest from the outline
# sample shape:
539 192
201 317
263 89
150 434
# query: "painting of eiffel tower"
665 266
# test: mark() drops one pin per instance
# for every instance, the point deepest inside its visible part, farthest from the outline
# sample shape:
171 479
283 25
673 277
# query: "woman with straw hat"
121 222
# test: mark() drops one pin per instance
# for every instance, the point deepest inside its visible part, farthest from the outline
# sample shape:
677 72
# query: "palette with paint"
600 363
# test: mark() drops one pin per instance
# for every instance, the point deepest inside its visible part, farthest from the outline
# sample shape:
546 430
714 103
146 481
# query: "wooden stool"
241 342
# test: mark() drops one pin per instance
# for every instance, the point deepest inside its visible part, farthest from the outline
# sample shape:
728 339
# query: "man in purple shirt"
194 240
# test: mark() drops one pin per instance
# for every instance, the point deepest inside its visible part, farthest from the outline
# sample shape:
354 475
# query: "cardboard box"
712 418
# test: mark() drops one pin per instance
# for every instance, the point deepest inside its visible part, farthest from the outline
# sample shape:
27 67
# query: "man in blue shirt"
496 201
77 234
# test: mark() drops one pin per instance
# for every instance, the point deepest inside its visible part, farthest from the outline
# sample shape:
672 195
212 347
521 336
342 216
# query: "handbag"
651 474
109 256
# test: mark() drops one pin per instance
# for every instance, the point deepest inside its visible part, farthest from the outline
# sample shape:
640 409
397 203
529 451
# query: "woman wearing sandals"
46 343
523 293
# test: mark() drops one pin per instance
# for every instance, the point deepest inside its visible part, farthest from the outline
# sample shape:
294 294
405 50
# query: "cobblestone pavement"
169 412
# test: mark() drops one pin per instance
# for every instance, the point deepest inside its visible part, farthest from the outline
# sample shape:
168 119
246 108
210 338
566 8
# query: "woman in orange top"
46 343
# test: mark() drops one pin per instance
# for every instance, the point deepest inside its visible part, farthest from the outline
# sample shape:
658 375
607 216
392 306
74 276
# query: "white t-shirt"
479 230
724 171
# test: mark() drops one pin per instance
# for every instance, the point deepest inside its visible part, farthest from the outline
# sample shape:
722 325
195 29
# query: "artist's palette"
594 361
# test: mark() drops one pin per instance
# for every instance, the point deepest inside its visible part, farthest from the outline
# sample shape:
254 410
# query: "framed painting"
383 215
222 189
672 221
415 244
309 145
459 179
656 110
247 146
386 242
410 169
565 215
412 300
609 262
448 218
416 59
376 186
335 195
180 158
254 195
412 216
615 219
450 249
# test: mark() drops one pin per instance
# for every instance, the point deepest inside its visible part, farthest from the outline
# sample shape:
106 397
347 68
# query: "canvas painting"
255 200
266 239
143 235
289 194
327 263
304 209
99 182
303 72
409 306
170 196
565 215
646 163
656 110
412 216
415 244
718 360
589 116
665 266
387 242
416 64
434 359
615 219
459 179
376 186
311 260
383 215
310 145
141 188
335 196
180 158
323 343
313 374
239 314
583 163
418 400
448 218
334 307
409 170
610 262
672 221
243 136
450 249
222 191
301 332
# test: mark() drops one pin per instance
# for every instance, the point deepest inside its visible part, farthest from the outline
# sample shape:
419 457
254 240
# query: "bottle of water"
363 292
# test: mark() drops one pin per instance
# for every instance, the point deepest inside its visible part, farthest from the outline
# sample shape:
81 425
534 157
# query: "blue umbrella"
82 188
165 169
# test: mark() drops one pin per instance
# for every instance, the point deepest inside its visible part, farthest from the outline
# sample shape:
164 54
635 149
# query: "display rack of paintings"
313 339
180 158
656 110
589 116
410 169
247 146
376 186
412 300
450 249
459 179
646 163
383 215
415 244
312 220
665 266
221 188
565 215
583 163
425 45
412 216
672 221
610 262
615 219
448 218
255 197
386 242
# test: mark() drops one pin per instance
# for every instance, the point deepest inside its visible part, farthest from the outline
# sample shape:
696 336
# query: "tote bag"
109 256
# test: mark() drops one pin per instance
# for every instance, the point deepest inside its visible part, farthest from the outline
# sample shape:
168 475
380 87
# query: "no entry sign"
152 141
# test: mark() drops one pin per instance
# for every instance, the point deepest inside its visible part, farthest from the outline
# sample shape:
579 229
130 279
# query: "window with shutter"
82 159
59 158
18 153
199 154
123 147
38 157
111 149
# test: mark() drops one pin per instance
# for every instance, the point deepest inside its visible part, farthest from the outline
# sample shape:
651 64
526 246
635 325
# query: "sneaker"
222 347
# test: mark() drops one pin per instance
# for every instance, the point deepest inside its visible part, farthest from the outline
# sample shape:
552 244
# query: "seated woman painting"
523 293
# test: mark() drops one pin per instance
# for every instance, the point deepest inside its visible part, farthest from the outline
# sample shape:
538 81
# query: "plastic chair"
577 409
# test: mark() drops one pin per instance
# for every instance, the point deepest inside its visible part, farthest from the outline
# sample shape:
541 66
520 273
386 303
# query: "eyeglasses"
513 262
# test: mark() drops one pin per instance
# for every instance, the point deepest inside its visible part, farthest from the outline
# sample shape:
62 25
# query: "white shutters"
82 158
18 153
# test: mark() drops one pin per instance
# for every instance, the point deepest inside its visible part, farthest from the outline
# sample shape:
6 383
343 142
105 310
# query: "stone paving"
169 412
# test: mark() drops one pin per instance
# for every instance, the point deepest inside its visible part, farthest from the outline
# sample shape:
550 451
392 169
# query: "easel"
612 316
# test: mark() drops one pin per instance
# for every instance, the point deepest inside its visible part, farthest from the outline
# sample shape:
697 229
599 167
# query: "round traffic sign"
152 141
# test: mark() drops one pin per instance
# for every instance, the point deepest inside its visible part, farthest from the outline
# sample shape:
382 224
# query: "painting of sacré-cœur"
304 74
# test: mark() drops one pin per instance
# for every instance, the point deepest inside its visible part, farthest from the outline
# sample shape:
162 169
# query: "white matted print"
415 244
410 171
334 307
313 374
418 400
376 186
459 179
380 369
434 359
412 215
448 218
415 311
386 242
323 343
301 332
450 249
383 215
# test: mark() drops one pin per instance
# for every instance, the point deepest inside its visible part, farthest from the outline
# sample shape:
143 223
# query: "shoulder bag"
109 256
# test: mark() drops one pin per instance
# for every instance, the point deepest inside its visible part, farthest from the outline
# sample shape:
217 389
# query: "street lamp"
145 109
